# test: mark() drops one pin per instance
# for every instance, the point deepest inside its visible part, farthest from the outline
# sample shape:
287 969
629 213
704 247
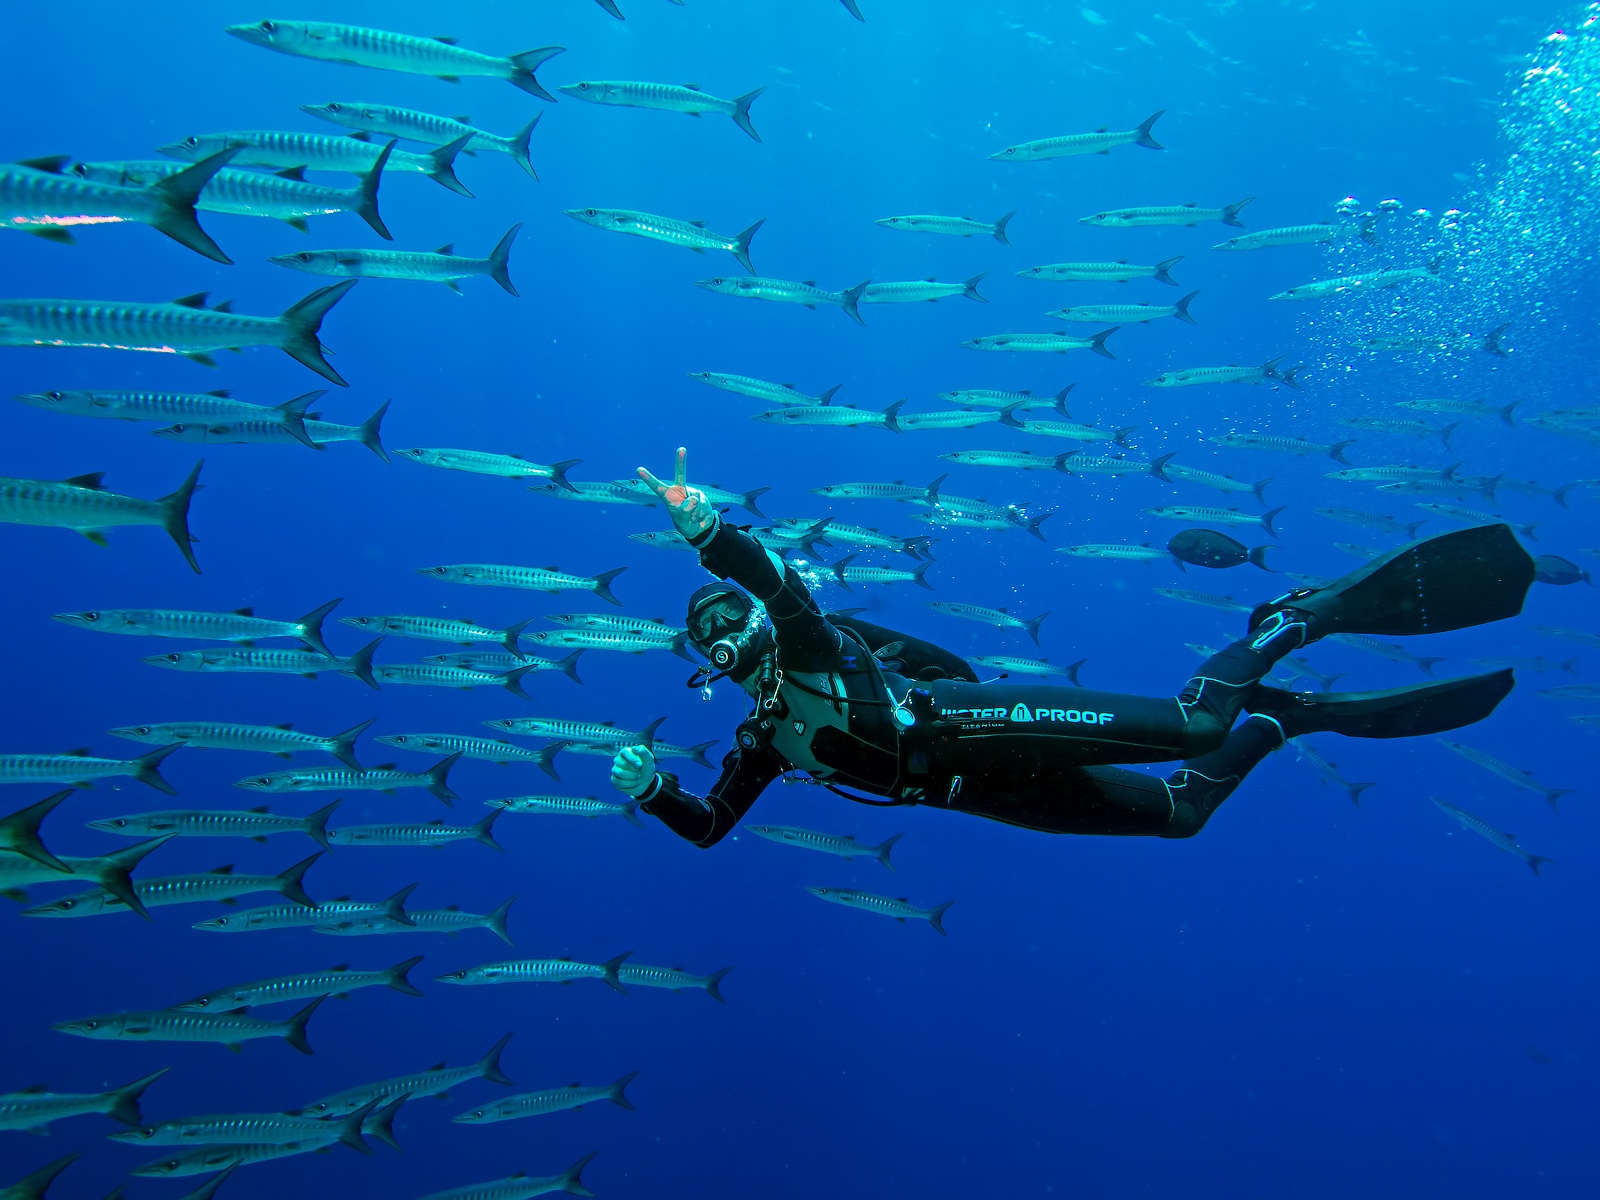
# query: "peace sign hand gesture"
692 514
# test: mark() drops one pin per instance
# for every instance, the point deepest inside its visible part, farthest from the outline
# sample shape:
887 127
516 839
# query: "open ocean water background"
1308 999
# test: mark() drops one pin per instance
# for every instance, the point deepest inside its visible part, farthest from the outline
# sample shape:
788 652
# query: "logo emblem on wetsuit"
1022 713
799 727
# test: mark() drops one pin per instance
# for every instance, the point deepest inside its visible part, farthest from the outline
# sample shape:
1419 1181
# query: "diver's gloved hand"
692 514
633 770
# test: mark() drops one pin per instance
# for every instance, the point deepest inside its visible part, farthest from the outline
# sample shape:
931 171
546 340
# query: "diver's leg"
1201 785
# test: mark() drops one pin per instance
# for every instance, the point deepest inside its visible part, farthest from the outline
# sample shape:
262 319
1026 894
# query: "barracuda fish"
1289 235
1103 272
413 126
898 490
1581 692
539 970
208 408
282 740
449 920
34 1110
616 623
760 389
1101 141
1125 314
1117 552
436 1081
1165 468
203 1159
835 416
240 625
598 639
1206 599
1574 635
19 870
521 1185
569 806
664 539
285 196
1166 214
856 535
252 1129
594 493
986 398
183 327
536 1104
672 979
1502 841
484 749
945 518
1471 516
429 833
84 506
534 579
846 574
384 778
1328 772
1382 649
1197 376
440 629
1537 666
1461 487
1077 462
1216 516
1420 429
692 235
1513 775
1297 669
386 51
1461 408
1283 445
968 506
435 675
1019 460
229 1029
1042 667
283 150
666 97
1394 474
221 884
443 265
950 226
306 663
79 769
998 617
897 907
256 823
1357 551
295 916
786 291
589 733
1390 525
39 196
914 291
841 845
1070 430
1368 281
1043 343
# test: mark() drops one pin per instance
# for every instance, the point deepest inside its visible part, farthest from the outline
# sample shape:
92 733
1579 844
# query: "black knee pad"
1202 734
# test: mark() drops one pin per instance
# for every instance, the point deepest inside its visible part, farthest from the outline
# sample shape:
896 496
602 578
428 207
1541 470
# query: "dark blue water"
1307 999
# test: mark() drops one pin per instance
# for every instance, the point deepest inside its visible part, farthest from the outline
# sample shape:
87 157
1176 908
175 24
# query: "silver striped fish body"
436 920
269 432
1115 314
60 768
564 806
1354 516
670 979
430 629
832 415
417 266
1021 460
436 675
237 193
178 623
973 612
534 1104
64 505
167 1025
32 1111
603 492
484 749
615 623
1205 599
667 97
1090 272
161 892
856 535
598 639
1194 376
911 291
117 325
333 779
18 871
885 906
149 406
871 491
944 518
1034 343
1392 474
332 431
517 1187
380 49
1290 235
850 574
534 579
841 845
935 223
1100 464
429 833
1072 431
478 462
1100 142
199 823
779 291
257 660
600 733
1367 281
409 124
970 507
1488 832
202 1160
1017 666
525 970
35 199
990 398
291 916
1114 552
1211 479
692 235
760 389
1154 214
1214 516
230 1129
421 1085
958 419
1269 441
1515 776
281 150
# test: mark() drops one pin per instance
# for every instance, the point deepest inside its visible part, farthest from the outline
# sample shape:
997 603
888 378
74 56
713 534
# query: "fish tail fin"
489 1064
854 9
483 831
936 916
1033 626
1266 519
698 753
348 1129
438 779
178 194
20 831
394 908
113 871
1157 465
509 637
851 297
512 680
1144 139
891 416
647 735
288 881
147 769
1553 795
1072 672
395 977
1354 790
741 245
616 1093
571 1180
1444 434
741 112
1411 529
370 432
747 501
311 626
933 488
1559 494
826 397
1008 415
1535 861
1230 212
316 825
33 1187
1427 665
520 143
1097 343
969 289
545 757
630 813
1182 307
292 413
443 167
304 319
919 575
1033 528
1120 437
680 646
1000 228
1336 451
295 1027
175 516
602 585
1163 267
367 194
125 1099
495 923
1257 489
1258 556
499 260
558 473
381 1123
1505 414
882 849
525 64
608 971
359 664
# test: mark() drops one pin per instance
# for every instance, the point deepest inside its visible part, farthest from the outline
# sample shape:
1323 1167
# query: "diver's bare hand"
692 514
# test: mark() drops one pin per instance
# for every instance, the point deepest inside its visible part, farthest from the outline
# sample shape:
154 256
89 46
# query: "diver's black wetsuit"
929 733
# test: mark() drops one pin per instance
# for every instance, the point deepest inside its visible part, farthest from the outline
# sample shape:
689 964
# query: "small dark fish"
1208 548
1552 568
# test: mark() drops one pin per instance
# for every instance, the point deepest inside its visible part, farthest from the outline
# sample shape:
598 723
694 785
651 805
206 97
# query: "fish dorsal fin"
247 611
385 767
260 808
226 306
91 480
240 1011
37 1089
447 248
284 725
435 824
221 393
342 967
1103 129
1191 204
448 41
197 300
78 752
298 174
54 164
225 869
360 135
693 87
452 908
464 118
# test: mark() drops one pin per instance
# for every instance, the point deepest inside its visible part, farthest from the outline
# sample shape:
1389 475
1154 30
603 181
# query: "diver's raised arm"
692 514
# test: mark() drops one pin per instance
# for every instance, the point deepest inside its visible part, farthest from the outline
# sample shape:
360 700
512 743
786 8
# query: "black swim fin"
1467 577
1397 712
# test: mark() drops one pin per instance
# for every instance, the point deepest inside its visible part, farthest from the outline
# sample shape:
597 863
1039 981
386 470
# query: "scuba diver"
857 706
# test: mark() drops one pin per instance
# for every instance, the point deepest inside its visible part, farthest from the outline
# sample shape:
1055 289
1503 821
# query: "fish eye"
66 905
141 729
120 823
55 395
589 212
335 106
304 256
479 1113
583 87
269 27
91 1024
191 142
716 281
91 616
